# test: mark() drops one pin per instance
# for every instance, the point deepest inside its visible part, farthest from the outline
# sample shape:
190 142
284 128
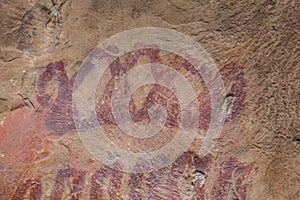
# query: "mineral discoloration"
18 151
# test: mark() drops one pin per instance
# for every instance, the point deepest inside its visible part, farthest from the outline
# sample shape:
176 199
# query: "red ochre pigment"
58 104
233 179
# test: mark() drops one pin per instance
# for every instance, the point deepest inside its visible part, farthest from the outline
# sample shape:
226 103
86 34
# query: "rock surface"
255 45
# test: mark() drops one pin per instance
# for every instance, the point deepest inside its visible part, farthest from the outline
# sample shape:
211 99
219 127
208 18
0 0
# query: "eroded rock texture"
255 45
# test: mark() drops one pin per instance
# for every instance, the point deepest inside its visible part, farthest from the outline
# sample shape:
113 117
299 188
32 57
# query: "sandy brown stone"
255 45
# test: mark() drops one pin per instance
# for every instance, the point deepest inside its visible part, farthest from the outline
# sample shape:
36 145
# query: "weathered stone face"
255 47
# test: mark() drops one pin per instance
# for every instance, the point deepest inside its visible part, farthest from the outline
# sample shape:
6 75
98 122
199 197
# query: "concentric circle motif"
106 57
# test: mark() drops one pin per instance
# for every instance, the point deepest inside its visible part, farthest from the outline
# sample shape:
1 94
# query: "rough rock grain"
256 46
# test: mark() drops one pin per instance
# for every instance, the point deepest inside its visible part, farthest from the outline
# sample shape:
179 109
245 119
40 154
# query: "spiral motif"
109 99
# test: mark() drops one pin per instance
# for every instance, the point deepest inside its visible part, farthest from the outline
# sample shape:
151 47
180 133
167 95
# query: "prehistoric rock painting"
58 103
96 181
77 184
253 44
33 187
234 177
233 181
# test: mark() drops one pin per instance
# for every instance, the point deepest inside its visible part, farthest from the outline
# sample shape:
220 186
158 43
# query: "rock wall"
255 46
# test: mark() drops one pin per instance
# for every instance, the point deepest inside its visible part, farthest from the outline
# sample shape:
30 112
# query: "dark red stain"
77 182
231 73
234 180
57 104
169 101
117 70
157 95
205 110
97 183
31 189
136 186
